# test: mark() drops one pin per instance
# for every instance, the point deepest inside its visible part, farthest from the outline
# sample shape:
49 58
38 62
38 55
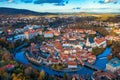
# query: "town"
63 45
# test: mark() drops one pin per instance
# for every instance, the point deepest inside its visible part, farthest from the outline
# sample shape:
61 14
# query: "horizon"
64 6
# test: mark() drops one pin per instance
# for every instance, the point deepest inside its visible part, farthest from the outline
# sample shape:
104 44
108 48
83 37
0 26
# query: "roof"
99 74
99 40
72 63
48 32
115 62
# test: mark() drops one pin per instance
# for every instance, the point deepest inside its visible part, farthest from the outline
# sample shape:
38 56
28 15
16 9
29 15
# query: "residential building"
113 65
100 42
72 64
48 34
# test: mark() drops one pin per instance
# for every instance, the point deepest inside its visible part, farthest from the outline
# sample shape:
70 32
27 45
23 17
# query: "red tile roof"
72 63
99 40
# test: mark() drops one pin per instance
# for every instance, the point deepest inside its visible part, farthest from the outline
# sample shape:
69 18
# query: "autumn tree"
41 75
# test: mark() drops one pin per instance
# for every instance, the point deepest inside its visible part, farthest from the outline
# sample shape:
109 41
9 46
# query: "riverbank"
100 63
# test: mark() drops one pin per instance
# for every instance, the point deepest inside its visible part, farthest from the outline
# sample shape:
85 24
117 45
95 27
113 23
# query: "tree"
3 74
65 76
116 49
41 75
109 43
109 57
28 71
97 50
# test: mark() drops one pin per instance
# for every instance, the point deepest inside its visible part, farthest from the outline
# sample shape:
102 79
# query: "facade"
72 64
31 33
113 65
90 42
39 32
48 34
117 31
100 42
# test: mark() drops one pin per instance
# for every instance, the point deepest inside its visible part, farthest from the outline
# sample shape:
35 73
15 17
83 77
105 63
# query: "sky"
97 6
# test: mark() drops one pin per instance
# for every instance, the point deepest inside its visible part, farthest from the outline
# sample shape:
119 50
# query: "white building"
31 33
90 42
113 65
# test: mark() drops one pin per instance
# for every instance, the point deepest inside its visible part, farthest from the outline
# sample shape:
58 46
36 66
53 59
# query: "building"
48 34
113 65
117 31
39 31
31 33
72 64
101 75
90 42
100 42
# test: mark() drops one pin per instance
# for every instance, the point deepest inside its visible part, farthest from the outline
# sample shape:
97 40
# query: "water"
21 58
100 63
102 59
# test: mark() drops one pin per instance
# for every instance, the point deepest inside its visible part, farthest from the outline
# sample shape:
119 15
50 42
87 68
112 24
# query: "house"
48 34
117 31
39 31
10 66
90 42
30 34
101 75
56 32
118 73
109 37
100 42
72 64
113 65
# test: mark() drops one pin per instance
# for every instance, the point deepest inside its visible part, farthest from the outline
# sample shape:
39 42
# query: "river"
100 63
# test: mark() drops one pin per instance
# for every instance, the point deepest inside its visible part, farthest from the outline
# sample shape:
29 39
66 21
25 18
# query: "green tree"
65 76
97 50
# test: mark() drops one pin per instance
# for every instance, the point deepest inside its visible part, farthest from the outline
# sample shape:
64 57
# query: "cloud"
77 8
55 2
108 1
10 1
101 2
59 4
27 1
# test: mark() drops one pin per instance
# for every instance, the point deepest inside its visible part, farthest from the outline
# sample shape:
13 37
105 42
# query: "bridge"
86 64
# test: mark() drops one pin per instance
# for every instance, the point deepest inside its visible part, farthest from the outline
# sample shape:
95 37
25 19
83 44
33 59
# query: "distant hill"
13 11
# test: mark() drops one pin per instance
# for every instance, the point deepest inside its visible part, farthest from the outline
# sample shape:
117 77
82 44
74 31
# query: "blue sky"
102 6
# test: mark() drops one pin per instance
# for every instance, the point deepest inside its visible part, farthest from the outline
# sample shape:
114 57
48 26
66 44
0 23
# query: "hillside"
12 11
